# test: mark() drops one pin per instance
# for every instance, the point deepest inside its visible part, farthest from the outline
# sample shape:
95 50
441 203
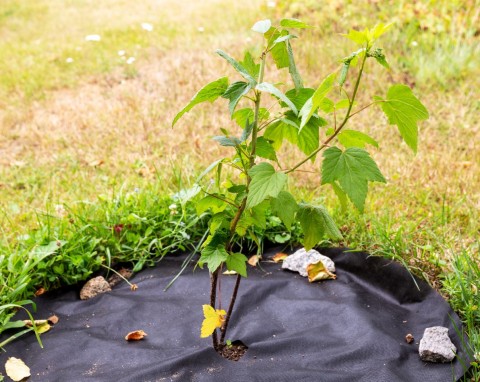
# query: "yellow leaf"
317 271
214 319
279 257
16 369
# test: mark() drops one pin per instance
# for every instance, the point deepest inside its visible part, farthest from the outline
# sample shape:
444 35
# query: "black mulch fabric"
349 329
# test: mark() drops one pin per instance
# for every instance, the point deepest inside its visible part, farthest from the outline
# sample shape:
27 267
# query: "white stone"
299 261
94 287
436 346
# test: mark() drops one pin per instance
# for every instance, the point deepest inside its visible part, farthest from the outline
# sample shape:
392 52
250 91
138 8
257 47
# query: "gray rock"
436 346
299 261
94 287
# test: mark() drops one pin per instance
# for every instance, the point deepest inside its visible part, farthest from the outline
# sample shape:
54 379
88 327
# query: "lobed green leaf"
294 23
213 257
284 206
235 92
353 138
269 88
403 109
353 169
316 223
237 262
266 182
311 106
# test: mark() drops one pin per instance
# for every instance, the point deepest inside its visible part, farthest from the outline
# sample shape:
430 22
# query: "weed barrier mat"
349 329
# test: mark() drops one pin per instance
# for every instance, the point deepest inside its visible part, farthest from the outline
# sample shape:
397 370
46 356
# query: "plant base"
234 351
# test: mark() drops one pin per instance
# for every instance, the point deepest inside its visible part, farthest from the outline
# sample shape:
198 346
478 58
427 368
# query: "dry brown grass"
112 128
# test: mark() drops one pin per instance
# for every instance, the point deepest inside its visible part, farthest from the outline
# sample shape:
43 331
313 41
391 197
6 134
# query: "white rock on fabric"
436 346
94 287
299 261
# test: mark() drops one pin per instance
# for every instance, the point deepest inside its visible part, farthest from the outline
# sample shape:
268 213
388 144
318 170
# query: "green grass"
87 133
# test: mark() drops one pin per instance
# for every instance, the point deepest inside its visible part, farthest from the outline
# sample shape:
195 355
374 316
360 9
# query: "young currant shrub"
305 117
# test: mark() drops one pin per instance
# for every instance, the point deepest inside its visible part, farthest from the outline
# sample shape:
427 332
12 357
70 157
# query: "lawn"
88 91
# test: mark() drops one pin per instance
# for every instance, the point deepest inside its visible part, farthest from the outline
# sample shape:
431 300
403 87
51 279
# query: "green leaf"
227 141
262 26
249 64
380 57
235 92
243 115
353 169
186 194
403 109
237 262
300 96
265 149
342 197
360 38
211 202
213 257
311 106
269 88
208 93
353 138
292 68
294 23
284 38
284 206
265 182
278 50
379 30
237 66
316 223
208 169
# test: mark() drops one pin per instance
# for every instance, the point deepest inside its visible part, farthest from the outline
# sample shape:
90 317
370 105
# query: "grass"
86 132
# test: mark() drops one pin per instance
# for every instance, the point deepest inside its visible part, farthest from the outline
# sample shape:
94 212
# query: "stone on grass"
299 261
94 287
436 346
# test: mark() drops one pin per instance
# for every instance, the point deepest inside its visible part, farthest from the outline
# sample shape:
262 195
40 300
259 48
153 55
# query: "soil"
234 351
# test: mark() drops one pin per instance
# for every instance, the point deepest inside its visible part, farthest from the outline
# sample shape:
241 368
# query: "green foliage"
353 169
259 188
404 110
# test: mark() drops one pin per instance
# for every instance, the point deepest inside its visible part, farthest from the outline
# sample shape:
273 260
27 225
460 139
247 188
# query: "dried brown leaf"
409 338
280 256
253 261
136 335
52 319
39 292
29 324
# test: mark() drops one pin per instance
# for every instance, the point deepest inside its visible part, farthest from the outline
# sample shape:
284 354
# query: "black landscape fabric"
349 329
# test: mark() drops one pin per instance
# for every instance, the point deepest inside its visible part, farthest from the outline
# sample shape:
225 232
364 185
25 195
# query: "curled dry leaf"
279 257
52 319
136 335
39 292
317 272
253 261
133 287
229 273
409 338
16 369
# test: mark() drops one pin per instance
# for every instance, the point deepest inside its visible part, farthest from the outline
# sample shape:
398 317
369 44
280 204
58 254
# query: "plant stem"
342 125
241 210
213 298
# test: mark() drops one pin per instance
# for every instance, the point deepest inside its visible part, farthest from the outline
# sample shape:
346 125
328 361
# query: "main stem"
238 215
341 126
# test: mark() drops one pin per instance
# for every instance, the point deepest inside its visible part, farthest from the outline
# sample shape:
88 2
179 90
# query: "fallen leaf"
133 287
409 338
52 319
317 271
253 261
43 328
39 292
16 369
214 318
229 273
279 257
136 335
